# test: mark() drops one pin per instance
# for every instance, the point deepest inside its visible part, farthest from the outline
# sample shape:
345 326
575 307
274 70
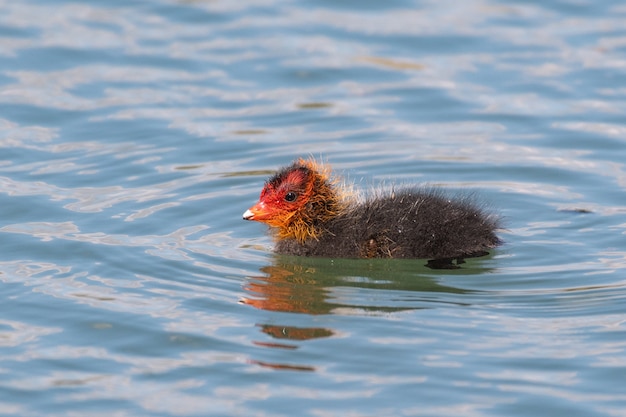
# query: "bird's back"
409 223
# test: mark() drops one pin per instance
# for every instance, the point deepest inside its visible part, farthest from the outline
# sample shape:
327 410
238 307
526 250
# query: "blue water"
133 135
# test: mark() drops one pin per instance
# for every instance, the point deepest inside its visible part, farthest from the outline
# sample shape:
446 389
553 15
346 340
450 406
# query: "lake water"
133 135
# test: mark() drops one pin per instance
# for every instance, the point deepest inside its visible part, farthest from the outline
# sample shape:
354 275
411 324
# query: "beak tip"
248 215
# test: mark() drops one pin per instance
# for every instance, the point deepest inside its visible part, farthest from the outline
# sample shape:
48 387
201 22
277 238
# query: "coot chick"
312 214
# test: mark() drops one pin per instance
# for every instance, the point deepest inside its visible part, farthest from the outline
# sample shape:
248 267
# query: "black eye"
291 196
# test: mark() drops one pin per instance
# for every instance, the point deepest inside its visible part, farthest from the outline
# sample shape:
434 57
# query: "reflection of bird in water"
284 290
287 290
312 215
308 285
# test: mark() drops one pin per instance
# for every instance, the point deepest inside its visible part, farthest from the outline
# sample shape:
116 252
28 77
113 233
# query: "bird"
311 212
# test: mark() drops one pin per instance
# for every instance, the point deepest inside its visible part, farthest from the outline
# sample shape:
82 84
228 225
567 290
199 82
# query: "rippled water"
133 135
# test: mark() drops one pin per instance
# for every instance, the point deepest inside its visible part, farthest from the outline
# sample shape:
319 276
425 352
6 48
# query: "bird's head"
297 200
